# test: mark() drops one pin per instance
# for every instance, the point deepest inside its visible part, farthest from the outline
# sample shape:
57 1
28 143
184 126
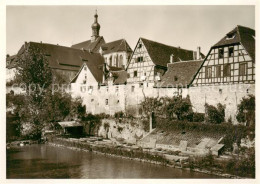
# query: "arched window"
110 61
116 60
120 61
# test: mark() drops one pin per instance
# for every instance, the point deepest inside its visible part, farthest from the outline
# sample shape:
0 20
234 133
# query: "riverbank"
137 154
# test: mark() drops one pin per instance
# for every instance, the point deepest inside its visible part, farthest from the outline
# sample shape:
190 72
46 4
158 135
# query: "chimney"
171 58
198 53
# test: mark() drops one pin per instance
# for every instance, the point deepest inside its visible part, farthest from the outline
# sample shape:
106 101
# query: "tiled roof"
120 77
116 46
179 74
160 53
113 68
64 58
88 45
240 34
95 67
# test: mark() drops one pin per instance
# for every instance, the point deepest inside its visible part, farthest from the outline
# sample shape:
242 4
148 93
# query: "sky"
181 26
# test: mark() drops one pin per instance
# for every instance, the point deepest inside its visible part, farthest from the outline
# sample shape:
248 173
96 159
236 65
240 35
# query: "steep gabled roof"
240 34
95 67
64 58
179 74
116 46
90 46
120 77
160 53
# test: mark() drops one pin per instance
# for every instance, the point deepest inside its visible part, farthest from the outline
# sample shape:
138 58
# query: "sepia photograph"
130 92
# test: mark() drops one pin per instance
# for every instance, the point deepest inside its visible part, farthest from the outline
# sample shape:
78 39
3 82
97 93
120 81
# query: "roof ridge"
31 42
114 41
166 45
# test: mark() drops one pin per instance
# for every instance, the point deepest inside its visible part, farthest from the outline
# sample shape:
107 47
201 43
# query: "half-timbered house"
228 72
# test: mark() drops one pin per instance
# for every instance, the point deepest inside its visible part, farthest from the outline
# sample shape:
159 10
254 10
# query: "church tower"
95 28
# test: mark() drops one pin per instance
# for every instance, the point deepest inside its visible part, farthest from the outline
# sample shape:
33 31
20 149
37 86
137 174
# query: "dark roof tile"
160 53
240 34
116 46
90 46
179 74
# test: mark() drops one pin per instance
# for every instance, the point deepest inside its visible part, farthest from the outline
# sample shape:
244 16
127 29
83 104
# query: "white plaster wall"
230 96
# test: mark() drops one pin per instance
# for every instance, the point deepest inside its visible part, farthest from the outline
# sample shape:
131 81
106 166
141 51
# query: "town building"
227 73
110 77
115 53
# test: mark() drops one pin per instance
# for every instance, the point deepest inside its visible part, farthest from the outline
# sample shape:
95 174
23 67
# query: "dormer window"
230 36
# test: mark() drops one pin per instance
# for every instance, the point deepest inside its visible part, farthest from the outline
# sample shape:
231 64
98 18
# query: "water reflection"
45 161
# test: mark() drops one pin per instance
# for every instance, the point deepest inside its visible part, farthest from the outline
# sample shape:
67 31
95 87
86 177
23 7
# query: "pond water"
46 161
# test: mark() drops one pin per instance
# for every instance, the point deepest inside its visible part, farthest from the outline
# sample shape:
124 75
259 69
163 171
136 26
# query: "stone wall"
228 95
127 98
131 129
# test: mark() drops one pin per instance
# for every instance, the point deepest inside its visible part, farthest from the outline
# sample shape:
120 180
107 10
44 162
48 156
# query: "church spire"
95 28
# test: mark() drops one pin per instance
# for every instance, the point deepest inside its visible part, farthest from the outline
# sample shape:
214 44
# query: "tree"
246 111
215 114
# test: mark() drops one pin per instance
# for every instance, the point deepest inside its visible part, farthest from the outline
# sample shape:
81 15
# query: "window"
116 89
220 91
133 88
141 85
140 45
220 52
227 70
106 102
140 59
128 75
85 68
218 71
90 87
230 51
110 61
135 73
208 72
83 89
120 61
92 100
242 69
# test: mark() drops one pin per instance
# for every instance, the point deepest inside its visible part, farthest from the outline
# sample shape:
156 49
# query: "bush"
198 117
181 107
215 114
146 125
246 111
119 129
119 114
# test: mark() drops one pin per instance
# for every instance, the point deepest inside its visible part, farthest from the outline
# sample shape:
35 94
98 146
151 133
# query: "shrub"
215 114
119 114
181 107
119 129
246 111
146 125
198 117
